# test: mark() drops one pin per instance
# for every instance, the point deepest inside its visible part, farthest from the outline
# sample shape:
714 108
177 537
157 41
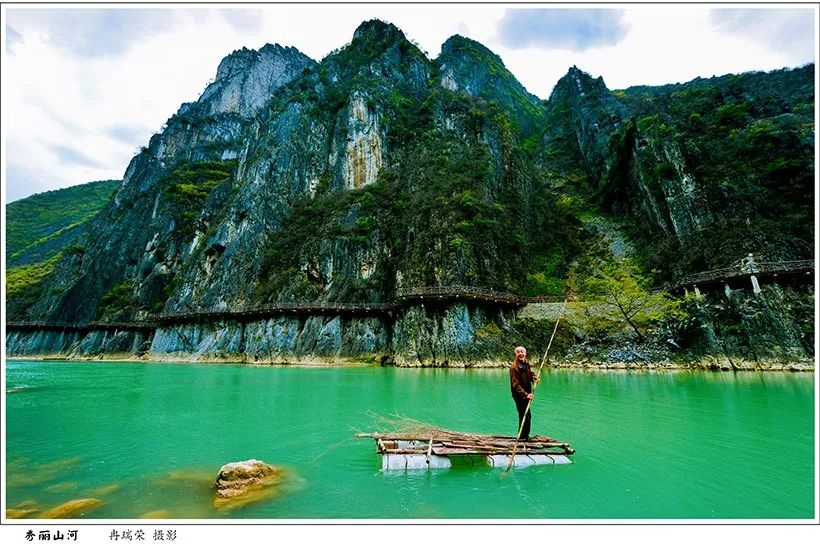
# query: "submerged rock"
235 477
240 483
190 475
156 514
61 487
19 513
72 508
24 473
27 504
106 490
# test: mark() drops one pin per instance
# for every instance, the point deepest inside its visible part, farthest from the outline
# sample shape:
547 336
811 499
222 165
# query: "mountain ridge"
378 169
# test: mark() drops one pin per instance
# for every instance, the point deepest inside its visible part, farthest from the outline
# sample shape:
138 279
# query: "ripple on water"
23 472
62 487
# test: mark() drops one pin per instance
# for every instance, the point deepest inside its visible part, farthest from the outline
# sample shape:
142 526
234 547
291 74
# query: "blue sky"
85 87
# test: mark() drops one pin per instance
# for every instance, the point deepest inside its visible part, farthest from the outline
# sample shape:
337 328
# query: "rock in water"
239 483
239 475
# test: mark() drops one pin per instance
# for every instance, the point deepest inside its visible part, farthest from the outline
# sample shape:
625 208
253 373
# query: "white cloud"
665 44
59 102
70 98
788 30
94 31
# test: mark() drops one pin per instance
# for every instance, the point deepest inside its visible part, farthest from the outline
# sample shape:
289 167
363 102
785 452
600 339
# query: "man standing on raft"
522 378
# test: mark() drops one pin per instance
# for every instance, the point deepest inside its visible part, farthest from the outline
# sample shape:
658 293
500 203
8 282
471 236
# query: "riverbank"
717 332
708 363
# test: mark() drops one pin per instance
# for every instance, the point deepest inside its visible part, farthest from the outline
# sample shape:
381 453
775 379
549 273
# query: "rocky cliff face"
622 159
246 79
594 116
373 171
467 66
143 240
740 329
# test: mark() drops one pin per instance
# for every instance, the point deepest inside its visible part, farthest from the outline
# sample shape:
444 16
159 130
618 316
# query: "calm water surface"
149 438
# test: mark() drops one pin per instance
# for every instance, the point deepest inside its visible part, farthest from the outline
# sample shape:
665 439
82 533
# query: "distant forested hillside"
41 227
35 226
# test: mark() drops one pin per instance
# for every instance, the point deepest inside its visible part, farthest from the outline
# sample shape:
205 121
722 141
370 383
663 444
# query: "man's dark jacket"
521 379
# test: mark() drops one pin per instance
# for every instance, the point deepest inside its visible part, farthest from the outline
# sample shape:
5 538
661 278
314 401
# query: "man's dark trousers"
521 405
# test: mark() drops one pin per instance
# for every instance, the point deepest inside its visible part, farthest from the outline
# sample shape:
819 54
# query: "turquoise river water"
148 439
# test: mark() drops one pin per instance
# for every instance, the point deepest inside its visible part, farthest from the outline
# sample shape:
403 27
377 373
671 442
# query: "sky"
84 87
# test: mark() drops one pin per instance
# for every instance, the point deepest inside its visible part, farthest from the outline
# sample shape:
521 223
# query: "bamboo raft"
437 448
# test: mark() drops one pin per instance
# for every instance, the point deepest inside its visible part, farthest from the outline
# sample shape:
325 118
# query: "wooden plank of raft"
407 436
504 446
498 448
501 442
446 451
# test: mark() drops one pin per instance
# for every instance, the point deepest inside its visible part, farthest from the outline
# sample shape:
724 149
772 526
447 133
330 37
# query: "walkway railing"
769 267
459 292
89 326
272 309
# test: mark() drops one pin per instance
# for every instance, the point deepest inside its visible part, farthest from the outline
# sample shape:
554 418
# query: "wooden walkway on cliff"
403 299
413 296
742 270
272 310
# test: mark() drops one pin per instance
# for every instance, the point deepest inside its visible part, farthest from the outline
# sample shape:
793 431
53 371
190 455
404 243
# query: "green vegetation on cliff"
748 142
117 302
443 213
189 185
23 282
474 69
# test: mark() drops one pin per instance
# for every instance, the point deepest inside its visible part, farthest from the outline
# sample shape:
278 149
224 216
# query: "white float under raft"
445 448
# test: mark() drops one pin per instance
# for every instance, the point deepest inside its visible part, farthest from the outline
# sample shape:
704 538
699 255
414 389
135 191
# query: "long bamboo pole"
534 386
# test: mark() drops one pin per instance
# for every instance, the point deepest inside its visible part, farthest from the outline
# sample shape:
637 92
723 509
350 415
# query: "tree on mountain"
625 294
